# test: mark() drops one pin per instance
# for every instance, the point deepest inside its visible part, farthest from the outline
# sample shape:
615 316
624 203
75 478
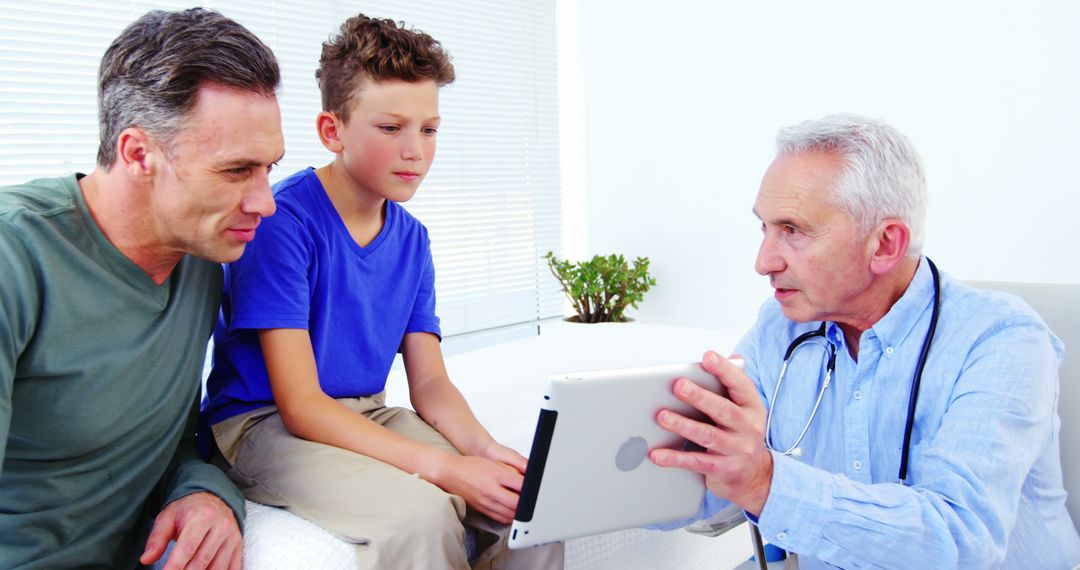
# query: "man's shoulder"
989 305
37 212
982 313
42 197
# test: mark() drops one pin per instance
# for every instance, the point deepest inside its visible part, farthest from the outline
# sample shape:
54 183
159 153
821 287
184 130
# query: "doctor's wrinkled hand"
736 464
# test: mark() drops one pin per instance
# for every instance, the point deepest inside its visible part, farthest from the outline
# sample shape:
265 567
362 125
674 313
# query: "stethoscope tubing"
831 367
821 393
919 370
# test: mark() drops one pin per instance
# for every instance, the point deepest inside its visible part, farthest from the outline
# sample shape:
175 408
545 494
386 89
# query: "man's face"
811 250
213 186
389 139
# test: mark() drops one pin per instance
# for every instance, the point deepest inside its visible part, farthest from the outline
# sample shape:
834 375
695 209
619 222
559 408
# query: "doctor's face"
813 253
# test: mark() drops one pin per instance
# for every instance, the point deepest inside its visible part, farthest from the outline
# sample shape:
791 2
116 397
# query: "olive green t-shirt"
100 373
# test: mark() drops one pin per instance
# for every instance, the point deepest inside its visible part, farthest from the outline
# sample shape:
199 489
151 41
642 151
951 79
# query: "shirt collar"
895 327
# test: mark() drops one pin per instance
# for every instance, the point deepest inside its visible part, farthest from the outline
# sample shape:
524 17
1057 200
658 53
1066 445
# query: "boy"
334 285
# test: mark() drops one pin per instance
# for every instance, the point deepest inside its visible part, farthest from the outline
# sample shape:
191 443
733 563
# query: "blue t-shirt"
303 270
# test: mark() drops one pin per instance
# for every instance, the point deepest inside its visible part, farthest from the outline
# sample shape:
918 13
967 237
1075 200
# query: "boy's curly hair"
376 49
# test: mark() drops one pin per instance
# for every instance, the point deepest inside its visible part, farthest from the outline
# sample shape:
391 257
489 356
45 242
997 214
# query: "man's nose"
259 198
768 259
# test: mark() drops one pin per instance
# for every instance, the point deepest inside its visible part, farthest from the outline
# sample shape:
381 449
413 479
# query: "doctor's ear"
888 245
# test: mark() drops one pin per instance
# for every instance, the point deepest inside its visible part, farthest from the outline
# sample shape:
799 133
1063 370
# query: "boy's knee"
425 532
432 512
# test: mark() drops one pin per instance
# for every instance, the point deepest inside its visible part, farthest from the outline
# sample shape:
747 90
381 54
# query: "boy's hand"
498 452
488 486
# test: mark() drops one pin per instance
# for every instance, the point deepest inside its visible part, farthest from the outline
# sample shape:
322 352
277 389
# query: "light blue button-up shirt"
984 486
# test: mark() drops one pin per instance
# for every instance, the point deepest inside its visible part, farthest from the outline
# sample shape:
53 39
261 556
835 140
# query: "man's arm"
19 301
7 384
309 413
963 506
203 512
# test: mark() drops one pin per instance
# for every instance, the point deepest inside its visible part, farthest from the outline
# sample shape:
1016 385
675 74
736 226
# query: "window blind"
491 201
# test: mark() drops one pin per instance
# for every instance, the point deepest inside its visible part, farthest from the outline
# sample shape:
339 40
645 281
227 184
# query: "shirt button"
857 465
781 535
888 350
857 394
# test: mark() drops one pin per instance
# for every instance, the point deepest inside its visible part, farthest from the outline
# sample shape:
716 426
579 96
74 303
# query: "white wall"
679 102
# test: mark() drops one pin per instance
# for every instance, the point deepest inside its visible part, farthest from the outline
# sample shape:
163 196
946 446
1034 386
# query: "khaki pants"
394 519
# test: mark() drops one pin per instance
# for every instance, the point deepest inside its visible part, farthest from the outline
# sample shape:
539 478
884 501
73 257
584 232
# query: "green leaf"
601 288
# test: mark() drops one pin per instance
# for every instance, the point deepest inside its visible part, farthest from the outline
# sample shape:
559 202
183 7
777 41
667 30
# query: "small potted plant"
602 288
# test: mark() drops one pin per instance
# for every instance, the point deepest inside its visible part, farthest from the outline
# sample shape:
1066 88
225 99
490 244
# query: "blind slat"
492 200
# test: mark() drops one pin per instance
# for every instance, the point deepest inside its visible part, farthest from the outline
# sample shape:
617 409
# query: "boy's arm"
442 406
311 414
489 477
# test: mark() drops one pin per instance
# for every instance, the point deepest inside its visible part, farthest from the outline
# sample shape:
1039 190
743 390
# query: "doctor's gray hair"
882 175
151 74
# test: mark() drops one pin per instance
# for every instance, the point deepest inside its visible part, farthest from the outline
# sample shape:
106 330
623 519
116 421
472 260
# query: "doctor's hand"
736 464
205 531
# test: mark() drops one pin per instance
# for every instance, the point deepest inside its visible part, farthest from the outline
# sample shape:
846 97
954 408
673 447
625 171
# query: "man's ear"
135 152
889 245
328 125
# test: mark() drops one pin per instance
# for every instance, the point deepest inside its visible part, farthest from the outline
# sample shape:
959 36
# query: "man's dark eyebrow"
247 162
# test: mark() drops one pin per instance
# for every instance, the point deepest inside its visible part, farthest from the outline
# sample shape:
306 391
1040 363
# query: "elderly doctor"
888 415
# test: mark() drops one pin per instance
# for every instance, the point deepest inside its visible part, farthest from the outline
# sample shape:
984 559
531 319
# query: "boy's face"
388 143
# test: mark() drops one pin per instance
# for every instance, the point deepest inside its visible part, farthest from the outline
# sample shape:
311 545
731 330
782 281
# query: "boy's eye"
389 128
430 130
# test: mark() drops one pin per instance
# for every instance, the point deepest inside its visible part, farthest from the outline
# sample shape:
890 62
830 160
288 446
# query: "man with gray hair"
887 415
110 290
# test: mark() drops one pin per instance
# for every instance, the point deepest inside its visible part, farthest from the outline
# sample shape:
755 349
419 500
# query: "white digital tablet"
589 470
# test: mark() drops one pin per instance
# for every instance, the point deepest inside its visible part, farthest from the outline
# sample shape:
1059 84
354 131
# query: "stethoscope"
830 366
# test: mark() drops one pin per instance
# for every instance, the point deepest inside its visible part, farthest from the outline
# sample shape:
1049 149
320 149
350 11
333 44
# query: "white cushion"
276 539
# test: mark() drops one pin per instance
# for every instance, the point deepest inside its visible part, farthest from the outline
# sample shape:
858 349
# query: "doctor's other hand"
736 464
